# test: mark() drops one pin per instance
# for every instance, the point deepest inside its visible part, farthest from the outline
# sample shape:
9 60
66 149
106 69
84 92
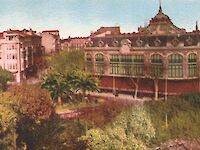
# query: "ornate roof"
161 24
188 39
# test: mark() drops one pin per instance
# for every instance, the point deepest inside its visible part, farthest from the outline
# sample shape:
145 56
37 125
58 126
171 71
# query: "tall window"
127 64
99 59
175 67
89 66
138 65
192 65
115 64
126 61
157 65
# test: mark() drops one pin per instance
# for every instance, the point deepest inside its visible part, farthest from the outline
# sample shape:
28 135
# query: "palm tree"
57 85
84 82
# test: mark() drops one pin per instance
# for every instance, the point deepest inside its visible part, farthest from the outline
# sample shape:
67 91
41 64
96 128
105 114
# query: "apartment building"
74 43
18 49
51 41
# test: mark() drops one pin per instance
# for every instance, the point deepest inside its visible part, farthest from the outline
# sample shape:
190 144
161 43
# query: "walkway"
110 96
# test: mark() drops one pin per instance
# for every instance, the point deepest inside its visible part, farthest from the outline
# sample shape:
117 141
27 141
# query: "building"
81 42
103 31
51 41
75 42
159 58
18 50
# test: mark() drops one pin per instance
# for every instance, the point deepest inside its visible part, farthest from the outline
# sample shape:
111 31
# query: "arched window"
157 69
99 63
192 65
89 63
175 66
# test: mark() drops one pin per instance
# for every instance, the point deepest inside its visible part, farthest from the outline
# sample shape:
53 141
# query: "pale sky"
80 17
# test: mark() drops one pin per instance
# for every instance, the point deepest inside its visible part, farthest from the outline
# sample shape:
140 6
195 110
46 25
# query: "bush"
132 129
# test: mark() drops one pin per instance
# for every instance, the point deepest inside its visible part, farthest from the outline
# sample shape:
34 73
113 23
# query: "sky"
81 17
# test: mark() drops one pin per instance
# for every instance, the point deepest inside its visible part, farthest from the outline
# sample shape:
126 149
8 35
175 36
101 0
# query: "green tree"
7 121
33 102
5 76
83 82
34 106
57 134
67 61
156 74
57 85
132 129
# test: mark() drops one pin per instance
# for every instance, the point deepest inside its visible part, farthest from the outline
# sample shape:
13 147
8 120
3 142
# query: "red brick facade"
146 86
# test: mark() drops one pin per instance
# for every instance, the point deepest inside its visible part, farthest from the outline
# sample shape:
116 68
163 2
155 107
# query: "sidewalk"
110 96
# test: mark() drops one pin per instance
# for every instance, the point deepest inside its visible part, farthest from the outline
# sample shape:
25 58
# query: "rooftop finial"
160 6
197 26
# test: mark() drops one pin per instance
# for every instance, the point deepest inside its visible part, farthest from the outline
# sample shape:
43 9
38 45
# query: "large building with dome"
160 57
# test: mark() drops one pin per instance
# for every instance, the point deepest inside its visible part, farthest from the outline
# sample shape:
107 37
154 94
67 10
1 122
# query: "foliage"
67 61
182 117
60 85
57 85
7 120
32 106
132 129
53 134
5 76
82 81
34 103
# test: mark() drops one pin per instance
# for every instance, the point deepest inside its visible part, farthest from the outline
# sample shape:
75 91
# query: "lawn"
78 105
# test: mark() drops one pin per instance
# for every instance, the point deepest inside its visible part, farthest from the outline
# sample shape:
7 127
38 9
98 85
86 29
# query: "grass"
78 105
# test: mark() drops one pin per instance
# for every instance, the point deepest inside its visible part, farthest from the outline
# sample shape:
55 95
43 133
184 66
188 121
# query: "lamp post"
14 134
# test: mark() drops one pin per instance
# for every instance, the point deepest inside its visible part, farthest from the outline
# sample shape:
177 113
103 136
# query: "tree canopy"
63 85
7 120
67 61
34 102
5 76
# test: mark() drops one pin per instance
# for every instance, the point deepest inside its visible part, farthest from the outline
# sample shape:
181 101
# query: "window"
192 65
99 59
89 66
115 66
126 61
138 65
127 64
10 38
175 67
156 66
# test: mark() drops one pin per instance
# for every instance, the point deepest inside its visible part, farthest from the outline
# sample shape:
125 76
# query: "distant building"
81 42
103 31
75 42
159 53
18 50
51 41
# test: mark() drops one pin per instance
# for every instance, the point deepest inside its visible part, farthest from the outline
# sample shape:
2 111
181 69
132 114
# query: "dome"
160 17
160 24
